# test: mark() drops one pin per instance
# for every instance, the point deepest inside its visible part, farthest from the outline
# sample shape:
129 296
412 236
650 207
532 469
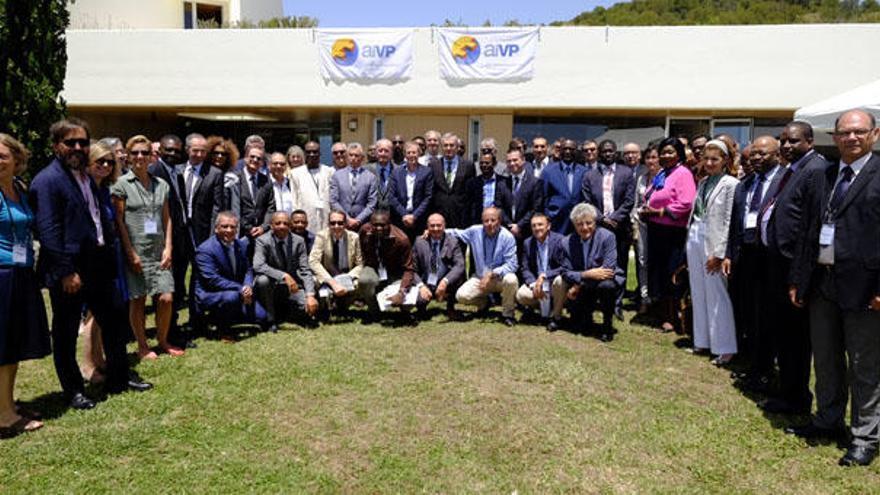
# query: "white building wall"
126 14
259 10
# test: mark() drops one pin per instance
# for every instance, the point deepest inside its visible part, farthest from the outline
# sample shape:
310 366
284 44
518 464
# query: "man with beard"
77 262
397 151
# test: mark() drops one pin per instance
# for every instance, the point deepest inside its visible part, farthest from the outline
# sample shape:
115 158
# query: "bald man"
439 266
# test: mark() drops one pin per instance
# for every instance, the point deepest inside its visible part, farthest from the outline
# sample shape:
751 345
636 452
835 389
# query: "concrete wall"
126 14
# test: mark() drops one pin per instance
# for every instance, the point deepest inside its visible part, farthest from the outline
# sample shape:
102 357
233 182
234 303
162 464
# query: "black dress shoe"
508 321
618 313
552 326
190 344
80 401
139 386
775 405
858 455
272 328
606 337
810 431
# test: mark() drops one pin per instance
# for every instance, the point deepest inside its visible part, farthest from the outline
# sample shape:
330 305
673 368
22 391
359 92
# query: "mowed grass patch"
442 407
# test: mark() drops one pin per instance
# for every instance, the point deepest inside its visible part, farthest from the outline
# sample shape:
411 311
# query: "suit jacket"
450 201
175 203
422 192
450 263
382 199
602 253
788 221
216 273
623 193
856 236
360 203
738 234
207 201
250 216
265 205
717 214
557 258
64 226
528 201
394 251
558 200
503 199
321 256
268 262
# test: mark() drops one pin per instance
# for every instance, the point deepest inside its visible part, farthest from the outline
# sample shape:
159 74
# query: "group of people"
777 253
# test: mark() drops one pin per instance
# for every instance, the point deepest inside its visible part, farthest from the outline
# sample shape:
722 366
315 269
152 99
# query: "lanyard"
27 211
152 195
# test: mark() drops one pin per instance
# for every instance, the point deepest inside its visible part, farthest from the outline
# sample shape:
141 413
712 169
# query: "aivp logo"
466 50
345 51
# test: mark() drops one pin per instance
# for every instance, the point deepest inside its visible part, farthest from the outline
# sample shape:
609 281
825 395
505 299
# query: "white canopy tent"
821 115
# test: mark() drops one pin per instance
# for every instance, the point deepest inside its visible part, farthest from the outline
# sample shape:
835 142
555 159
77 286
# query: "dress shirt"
488 251
768 212
488 192
568 170
410 189
538 167
608 189
450 167
543 252
765 185
826 253
82 179
191 178
251 180
283 195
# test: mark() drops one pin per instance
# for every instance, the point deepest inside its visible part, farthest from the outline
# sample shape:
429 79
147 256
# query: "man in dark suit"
354 190
543 260
783 223
838 271
202 189
224 287
250 181
610 187
563 182
439 266
527 192
283 278
747 256
382 169
451 173
76 262
594 274
409 193
166 168
488 189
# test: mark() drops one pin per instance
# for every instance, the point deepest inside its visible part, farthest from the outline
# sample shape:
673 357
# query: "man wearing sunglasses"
75 263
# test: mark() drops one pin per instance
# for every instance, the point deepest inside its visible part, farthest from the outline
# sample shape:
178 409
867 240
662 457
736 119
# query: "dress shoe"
810 431
80 401
618 313
508 321
606 337
136 385
776 405
190 344
858 455
272 328
552 326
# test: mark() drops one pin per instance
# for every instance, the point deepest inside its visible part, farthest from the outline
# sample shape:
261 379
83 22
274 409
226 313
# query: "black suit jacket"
788 220
451 201
738 235
527 202
265 205
503 199
624 194
250 216
206 203
856 237
181 239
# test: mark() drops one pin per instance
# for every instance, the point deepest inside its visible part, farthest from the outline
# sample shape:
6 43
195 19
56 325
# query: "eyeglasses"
279 164
254 159
141 153
339 152
71 143
337 222
107 162
311 152
396 142
860 133
487 150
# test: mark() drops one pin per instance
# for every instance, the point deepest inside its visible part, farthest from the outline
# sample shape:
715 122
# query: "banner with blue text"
369 55
487 54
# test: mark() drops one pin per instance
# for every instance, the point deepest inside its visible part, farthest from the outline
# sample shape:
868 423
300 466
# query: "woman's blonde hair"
19 153
100 150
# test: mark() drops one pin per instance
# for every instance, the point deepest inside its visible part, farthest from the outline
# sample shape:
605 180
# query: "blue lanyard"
27 211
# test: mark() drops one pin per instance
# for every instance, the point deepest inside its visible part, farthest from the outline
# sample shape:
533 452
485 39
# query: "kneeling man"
387 276
543 261
336 262
439 265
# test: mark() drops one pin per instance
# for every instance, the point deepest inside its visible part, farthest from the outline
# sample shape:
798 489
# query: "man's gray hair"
432 132
447 136
225 214
192 137
581 210
489 143
111 142
355 146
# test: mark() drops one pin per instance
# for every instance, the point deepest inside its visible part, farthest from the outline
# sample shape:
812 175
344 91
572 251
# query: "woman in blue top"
24 329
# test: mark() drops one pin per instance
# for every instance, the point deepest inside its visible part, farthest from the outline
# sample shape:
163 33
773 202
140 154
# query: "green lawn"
442 407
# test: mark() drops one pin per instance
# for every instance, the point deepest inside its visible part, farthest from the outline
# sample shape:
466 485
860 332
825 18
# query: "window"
739 129
378 128
474 138
187 15
619 129
209 16
689 126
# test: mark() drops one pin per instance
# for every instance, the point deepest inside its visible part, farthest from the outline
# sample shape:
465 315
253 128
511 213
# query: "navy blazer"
623 192
527 202
558 201
738 234
788 221
557 258
503 199
422 193
63 224
856 237
215 273
602 254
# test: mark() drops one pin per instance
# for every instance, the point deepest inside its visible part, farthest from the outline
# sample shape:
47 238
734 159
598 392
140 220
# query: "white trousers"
526 297
470 294
714 327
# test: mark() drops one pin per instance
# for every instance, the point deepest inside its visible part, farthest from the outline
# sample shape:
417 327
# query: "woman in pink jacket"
670 198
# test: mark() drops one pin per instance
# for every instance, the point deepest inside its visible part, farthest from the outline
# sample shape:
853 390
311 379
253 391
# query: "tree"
33 63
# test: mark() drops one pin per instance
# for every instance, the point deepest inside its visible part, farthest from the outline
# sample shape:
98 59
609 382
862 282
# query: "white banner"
365 54
487 54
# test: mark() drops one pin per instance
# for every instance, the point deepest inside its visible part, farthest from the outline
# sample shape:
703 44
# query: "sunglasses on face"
140 153
107 162
336 222
71 143
339 152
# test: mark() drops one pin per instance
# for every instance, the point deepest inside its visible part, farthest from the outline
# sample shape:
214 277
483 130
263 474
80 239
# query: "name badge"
383 274
432 279
324 292
751 220
151 226
19 254
826 235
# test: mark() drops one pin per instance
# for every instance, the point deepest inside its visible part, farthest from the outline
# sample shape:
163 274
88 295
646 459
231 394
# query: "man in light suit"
563 182
783 223
451 173
439 266
224 287
283 279
838 272
409 193
311 187
354 190
543 260
594 274
382 169
610 187
495 264
747 256
528 195
337 251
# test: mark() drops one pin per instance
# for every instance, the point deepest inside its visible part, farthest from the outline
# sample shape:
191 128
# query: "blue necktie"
755 205
840 191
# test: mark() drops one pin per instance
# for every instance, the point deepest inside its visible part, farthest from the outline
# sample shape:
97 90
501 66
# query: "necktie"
190 173
282 254
846 176
568 177
230 251
516 185
449 176
383 171
435 256
336 254
755 205
253 184
354 178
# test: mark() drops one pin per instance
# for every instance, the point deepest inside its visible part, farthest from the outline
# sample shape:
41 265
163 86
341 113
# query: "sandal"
23 425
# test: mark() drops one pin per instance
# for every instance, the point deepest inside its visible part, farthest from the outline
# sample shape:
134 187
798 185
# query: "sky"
408 13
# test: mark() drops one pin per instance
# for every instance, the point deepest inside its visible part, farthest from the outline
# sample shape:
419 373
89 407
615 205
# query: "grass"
442 407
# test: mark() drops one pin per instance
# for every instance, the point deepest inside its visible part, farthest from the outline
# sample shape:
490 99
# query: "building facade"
169 14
